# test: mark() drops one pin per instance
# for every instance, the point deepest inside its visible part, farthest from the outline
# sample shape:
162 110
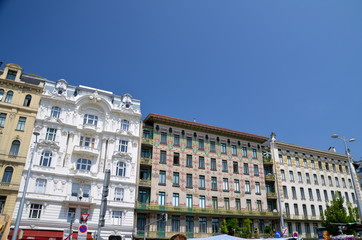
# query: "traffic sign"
83 228
285 232
295 234
278 234
84 217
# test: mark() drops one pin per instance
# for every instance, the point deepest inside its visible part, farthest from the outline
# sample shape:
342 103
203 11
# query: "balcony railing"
146 160
145 182
269 177
86 150
90 127
9 186
79 200
147 141
267 160
271 194
301 217
147 206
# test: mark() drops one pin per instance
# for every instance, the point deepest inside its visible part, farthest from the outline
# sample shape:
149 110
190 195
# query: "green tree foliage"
230 227
246 229
224 228
337 213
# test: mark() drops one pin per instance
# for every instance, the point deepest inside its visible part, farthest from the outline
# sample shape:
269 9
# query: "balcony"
148 141
86 151
79 173
91 128
211 211
271 195
9 186
146 160
85 201
145 182
270 177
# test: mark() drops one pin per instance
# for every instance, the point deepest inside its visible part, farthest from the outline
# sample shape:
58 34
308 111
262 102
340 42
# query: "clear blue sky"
293 67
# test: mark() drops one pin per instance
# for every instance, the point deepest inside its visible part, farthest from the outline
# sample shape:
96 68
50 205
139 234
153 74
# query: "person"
178 237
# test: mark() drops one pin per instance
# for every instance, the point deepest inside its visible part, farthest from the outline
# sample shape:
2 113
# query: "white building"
83 132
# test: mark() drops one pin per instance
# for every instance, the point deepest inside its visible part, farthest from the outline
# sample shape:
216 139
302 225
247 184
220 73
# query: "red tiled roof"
153 117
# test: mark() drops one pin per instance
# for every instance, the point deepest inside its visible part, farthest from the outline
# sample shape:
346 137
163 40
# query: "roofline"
153 117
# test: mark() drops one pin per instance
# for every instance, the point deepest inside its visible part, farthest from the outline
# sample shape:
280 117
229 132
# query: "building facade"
83 132
308 179
200 175
19 101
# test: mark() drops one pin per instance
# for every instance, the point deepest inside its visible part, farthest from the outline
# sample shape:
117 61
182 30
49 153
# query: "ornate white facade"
83 131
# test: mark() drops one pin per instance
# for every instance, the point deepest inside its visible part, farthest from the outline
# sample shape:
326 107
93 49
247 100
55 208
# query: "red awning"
46 235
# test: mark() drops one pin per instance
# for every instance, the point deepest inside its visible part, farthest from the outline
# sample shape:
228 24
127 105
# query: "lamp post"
352 170
22 201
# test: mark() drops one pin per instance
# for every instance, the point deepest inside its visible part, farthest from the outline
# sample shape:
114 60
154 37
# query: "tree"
230 227
247 228
337 213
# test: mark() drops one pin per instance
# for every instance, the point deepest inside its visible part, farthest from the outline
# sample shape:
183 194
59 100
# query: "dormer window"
11 75
90 119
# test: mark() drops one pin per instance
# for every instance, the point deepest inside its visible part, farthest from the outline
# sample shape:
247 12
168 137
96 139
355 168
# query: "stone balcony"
9 187
90 128
79 200
86 151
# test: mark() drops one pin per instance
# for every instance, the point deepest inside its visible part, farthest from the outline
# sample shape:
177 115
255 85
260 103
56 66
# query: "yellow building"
19 100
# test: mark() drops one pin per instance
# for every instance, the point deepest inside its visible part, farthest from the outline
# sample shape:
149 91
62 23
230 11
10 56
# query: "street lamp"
22 201
352 170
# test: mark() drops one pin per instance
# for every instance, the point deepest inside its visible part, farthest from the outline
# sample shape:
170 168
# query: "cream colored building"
19 101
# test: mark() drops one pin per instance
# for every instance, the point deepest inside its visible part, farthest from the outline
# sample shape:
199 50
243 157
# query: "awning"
46 235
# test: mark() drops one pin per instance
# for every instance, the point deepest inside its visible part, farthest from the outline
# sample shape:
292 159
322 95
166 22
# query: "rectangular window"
325 195
118 194
289 161
282 173
305 163
291 176
176 140
2 119
215 225
225 184
300 178
40 185
88 142
201 144
319 198
305 212
337 182
189 142
315 179
162 178
302 194
163 138
21 124
257 188
202 202
146 133
213 164
50 134
226 203
237 204
224 166
254 155
280 159
246 168
285 191
202 182
175 200
312 163
11 75
237 185
307 178
123 146
223 147
214 203
323 180
310 194
162 156
297 163
202 162
260 207
212 146
175 223
296 210
247 187
176 158
71 214
189 224
213 183
287 210
313 210
189 160
294 193
35 210
176 179
244 152
189 200
256 170
235 167
117 217
234 150
189 180
202 225
248 205
161 224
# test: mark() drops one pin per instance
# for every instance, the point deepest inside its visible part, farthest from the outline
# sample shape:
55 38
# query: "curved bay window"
84 164
121 169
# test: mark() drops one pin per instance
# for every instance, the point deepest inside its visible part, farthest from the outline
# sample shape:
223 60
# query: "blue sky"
293 67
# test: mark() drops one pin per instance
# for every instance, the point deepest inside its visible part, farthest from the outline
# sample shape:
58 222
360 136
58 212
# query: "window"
8 174
257 188
254 153
289 161
300 178
71 214
330 181
90 119
350 183
325 195
9 97
27 101
188 142
124 125
305 163
344 183
214 203
201 144
116 217
297 163
224 166
189 224
118 194
247 187
176 158
162 178
11 75
233 150
313 210
55 112
327 166
163 138
282 173
285 191
256 170
202 202
353 198
175 223
213 164
213 183
46 159
35 210
176 179
302 194
307 177
143 196
121 169
215 225
323 180
50 134
305 212
315 179
226 203
2 119
15 146
161 225
202 182
248 205
287 210
291 176
1 94
296 210
332 194
84 164
225 184
223 147
212 146
87 142
237 204
188 160
236 185
318 195
337 181
189 180
280 159
123 146
235 167
310 194
298 227
294 193
244 152
246 168
176 140
312 163
146 133
161 198
40 185
258 204
162 156
340 168
189 200
202 224
175 199
21 124
202 162
320 165
346 197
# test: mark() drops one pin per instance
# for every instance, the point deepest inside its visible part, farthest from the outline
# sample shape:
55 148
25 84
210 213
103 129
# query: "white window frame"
123 146
125 124
118 194
40 185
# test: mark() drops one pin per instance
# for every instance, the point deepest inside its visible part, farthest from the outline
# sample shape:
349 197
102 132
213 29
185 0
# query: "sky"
293 67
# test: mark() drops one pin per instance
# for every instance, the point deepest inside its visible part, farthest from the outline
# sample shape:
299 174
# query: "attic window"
11 75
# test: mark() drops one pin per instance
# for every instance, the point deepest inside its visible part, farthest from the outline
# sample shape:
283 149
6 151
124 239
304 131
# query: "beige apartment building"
200 175
19 100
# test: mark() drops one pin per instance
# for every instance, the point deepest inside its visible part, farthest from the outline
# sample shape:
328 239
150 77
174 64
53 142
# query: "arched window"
84 164
1 94
9 97
124 124
8 174
121 169
15 146
90 119
46 159
27 101
55 113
